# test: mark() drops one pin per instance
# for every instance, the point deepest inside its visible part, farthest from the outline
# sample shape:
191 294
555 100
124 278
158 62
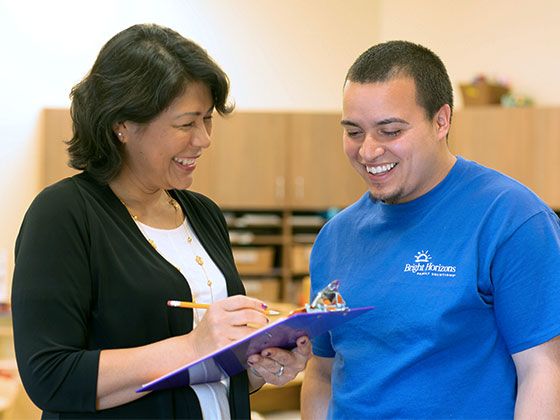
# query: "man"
460 262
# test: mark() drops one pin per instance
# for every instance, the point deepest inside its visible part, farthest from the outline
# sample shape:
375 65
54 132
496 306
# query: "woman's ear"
120 131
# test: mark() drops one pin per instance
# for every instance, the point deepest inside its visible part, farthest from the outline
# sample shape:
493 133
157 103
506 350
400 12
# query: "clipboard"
232 359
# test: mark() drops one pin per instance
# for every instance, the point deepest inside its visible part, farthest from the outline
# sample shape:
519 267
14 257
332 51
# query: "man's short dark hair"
393 59
137 75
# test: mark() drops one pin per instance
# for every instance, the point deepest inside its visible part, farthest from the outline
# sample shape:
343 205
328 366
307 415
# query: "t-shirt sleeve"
526 281
51 302
322 345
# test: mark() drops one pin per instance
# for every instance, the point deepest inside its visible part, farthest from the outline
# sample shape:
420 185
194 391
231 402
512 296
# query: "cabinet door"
495 137
320 175
245 165
520 142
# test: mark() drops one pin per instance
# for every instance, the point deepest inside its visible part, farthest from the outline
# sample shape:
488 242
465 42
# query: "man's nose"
371 149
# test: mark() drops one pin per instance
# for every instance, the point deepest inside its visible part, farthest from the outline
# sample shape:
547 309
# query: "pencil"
194 305
182 304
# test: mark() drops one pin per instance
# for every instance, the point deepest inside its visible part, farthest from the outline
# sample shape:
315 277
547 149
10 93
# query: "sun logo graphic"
422 266
422 257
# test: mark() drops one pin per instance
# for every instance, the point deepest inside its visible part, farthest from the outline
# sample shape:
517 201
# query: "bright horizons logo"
423 266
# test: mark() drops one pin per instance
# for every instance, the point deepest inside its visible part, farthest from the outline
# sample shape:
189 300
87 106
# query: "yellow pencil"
194 305
182 304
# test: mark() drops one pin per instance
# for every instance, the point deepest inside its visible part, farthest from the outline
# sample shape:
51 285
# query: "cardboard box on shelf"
253 260
266 289
300 258
483 93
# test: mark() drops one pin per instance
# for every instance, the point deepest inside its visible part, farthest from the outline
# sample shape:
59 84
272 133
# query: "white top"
173 245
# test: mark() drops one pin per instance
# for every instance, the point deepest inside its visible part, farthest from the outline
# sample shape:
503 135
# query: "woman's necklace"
178 210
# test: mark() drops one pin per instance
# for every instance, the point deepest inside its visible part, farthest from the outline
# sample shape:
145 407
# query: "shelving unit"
271 249
304 228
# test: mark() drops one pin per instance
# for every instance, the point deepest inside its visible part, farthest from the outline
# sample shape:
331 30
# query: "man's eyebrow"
385 121
391 121
350 123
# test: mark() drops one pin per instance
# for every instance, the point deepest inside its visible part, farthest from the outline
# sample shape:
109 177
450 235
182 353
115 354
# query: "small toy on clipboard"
328 299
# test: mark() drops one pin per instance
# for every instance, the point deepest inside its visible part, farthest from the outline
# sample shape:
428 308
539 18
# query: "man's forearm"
316 390
538 397
538 389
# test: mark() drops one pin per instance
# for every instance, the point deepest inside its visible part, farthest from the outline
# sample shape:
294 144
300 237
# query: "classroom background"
286 62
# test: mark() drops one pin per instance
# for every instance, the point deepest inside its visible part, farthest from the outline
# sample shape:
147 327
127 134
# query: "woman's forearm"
122 371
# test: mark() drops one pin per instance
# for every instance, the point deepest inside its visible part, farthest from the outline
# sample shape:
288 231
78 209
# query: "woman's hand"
278 366
226 321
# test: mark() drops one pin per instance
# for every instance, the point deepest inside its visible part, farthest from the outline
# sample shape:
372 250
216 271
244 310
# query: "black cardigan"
86 279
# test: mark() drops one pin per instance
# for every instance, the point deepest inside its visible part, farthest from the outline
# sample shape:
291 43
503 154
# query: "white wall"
513 39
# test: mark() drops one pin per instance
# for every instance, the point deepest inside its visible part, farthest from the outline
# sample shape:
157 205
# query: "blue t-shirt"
461 278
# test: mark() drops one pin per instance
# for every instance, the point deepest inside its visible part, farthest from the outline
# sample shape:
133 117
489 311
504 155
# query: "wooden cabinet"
245 165
272 160
523 143
295 160
319 174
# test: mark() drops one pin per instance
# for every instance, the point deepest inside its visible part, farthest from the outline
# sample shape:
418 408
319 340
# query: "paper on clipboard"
232 359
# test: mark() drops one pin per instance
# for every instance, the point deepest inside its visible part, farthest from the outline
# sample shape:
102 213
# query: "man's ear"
442 121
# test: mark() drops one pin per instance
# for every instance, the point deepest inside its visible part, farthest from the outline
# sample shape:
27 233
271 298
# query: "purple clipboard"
232 359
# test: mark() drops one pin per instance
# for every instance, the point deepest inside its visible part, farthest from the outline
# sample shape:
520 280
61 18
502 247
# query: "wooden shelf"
292 243
249 238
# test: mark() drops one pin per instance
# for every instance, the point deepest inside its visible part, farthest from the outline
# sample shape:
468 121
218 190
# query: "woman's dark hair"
392 59
137 75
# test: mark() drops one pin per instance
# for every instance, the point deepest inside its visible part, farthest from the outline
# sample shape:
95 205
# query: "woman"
99 254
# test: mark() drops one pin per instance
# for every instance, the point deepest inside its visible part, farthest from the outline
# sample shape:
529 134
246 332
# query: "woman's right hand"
226 321
122 371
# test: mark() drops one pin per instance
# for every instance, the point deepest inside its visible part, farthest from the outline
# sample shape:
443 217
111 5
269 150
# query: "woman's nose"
202 137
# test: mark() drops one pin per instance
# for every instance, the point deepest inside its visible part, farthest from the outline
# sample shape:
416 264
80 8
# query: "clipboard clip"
327 300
